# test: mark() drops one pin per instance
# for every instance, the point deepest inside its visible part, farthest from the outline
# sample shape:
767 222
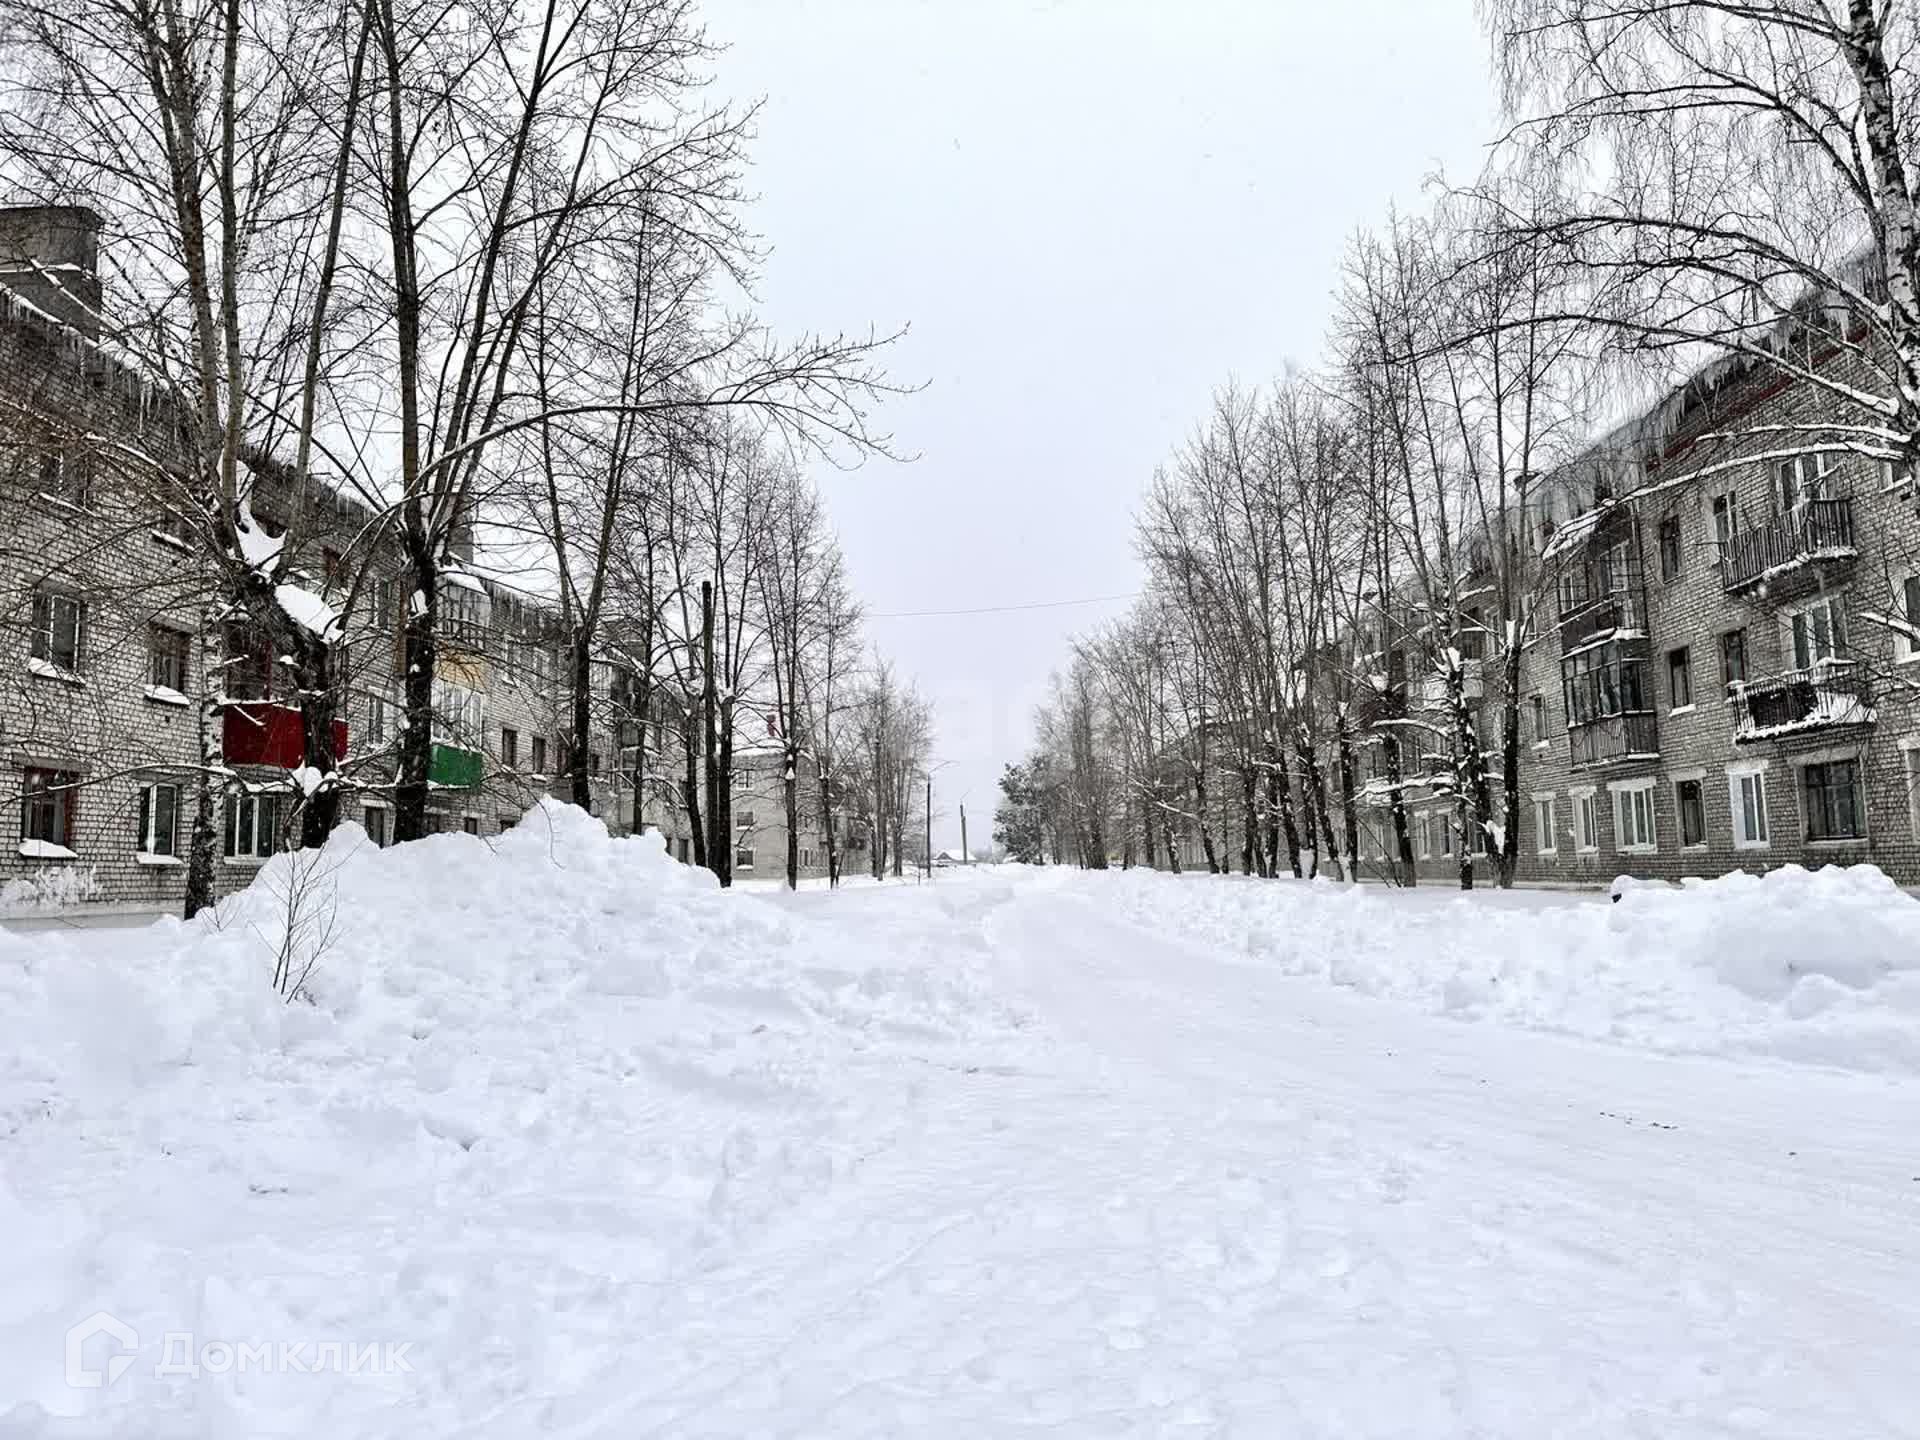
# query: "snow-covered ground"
566 1143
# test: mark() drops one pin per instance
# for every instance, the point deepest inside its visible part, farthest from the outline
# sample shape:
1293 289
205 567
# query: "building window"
539 754
1832 793
1445 828
1910 612
1538 706
1670 548
1545 840
376 823
376 719
167 658
249 665
1726 519
509 747
1733 657
1679 678
744 819
59 626
593 762
66 477
1910 767
1633 818
1819 632
684 846
505 822
158 832
743 857
1586 822
1688 801
253 826
1747 795
470 824
1801 479
48 802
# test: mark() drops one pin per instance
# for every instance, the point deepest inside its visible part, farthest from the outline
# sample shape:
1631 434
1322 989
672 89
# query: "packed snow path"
1230 1203
1015 1153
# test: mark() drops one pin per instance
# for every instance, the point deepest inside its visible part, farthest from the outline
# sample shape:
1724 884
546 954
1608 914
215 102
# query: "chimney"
49 256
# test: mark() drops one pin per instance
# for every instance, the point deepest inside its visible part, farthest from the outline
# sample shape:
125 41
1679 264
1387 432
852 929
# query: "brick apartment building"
101 660
1706 688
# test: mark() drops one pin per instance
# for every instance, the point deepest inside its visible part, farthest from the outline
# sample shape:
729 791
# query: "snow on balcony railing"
1831 693
1815 530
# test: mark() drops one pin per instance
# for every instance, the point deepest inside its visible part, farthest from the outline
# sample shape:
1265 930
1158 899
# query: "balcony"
1815 531
1609 614
258 732
1613 738
455 768
1831 695
1433 689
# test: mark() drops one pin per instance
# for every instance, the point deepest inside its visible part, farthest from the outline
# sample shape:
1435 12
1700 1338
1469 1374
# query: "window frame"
47 601
1679 679
250 804
1670 549
169 643
1586 821
56 795
1682 785
1809 810
1546 837
1727 678
1633 802
1757 836
1803 635
147 827
368 811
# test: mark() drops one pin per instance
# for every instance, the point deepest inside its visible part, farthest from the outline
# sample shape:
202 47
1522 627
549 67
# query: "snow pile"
562 1052
1815 966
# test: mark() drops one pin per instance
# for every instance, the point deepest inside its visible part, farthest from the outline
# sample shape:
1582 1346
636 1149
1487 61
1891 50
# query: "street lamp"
929 774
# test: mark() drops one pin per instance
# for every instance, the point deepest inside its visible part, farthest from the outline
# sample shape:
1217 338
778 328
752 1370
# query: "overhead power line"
1003 609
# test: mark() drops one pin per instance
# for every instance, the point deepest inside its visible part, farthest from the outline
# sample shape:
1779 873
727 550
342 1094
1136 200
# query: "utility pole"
929 826
966 855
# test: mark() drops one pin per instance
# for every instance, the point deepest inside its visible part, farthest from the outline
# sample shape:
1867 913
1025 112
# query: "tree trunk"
1250 822
690 794
1349 801
580 719
1403 866
1507 860
790 782
1206 828
709 750
313 664
419 652
200 849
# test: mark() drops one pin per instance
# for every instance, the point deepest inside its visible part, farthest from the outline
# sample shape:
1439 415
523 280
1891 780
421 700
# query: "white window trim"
146 854
1587 795
1905 650
1735 772
1547 842
1619 790
1696 776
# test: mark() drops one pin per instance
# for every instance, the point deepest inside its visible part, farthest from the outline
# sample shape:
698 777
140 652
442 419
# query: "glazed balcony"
1613 738
1831 695
1609 614
258 732
1809 534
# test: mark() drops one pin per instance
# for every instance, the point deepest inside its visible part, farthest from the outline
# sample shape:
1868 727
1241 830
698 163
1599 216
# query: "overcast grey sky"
1090 212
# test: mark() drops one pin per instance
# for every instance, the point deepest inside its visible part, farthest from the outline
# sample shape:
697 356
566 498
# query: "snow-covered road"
613 1154
1225 1202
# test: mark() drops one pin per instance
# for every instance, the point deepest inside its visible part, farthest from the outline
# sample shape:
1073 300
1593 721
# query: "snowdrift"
1815 966
550 1033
